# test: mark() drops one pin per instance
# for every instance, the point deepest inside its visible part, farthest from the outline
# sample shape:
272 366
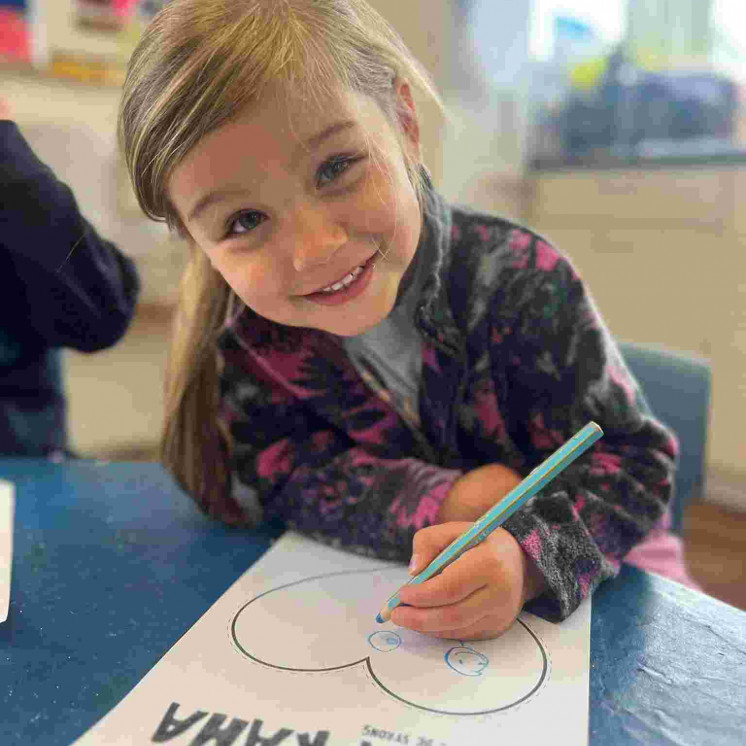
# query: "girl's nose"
316 239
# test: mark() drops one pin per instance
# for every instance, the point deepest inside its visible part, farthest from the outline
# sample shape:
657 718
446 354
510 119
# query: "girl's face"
293 208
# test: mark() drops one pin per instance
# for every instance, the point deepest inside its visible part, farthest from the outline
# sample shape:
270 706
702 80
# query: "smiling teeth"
343 283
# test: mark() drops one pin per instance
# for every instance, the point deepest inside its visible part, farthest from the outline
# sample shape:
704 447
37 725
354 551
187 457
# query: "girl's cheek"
252 280
376 193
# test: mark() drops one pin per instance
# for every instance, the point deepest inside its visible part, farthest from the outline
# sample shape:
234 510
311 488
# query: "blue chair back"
677 389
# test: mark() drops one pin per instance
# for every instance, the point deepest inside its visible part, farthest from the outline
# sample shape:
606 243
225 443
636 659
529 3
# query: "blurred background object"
15 32
634 78
65 97
617 129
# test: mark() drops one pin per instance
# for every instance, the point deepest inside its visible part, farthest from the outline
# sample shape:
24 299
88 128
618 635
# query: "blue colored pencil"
501 511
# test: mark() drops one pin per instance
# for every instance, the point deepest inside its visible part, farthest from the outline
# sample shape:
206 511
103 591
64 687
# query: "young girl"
353 355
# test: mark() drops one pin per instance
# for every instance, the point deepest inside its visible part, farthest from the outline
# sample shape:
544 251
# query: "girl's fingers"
476 597
486 628
429 542
462 615
467 574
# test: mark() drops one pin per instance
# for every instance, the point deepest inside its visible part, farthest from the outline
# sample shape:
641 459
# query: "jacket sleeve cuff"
571 563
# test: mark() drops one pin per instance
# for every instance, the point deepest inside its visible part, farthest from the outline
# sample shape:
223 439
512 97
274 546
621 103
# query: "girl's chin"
352 324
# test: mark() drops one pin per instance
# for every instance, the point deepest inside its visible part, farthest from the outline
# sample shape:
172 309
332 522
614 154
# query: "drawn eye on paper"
466 661
327 623
384 641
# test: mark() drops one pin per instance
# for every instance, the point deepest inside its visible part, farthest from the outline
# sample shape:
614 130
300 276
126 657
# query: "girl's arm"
64 283
565 370
293 465
561 369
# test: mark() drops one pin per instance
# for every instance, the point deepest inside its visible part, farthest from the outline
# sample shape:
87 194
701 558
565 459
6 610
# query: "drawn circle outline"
366 660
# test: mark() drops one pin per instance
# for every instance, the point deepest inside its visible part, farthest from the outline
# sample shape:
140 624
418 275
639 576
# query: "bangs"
200 63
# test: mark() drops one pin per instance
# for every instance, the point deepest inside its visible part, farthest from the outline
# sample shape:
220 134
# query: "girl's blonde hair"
199 63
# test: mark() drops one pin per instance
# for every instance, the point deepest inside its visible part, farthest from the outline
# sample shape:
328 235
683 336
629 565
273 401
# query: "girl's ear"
407 115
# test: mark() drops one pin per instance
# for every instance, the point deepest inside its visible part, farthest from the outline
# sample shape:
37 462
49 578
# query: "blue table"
97 544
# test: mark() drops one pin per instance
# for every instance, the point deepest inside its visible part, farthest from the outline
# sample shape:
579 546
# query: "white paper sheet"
7 509
291 654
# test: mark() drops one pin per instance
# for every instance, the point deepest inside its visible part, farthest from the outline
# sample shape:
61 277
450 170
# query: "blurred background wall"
616 129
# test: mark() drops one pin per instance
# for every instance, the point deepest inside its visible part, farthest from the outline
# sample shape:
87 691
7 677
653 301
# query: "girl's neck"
414 266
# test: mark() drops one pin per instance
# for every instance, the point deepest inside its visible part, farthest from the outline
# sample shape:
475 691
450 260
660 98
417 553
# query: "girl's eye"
331 169
334 167
244 222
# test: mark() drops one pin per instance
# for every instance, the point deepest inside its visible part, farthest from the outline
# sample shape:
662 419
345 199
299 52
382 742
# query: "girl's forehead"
301 116
276 134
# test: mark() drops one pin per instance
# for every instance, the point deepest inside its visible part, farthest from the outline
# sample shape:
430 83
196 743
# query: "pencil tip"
379 618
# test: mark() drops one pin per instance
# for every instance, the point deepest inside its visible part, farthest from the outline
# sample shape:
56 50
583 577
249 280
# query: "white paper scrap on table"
7 509
291 654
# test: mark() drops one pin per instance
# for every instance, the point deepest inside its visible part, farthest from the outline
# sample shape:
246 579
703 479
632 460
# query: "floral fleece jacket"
516 359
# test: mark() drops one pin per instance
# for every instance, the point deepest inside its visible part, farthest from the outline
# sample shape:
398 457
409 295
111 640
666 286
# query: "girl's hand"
476 597
476 492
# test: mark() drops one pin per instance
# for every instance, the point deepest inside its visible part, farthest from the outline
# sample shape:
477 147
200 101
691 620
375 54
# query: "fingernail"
413 564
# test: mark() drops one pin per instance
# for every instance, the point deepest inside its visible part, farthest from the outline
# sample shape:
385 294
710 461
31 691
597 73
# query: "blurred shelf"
68 68
733 157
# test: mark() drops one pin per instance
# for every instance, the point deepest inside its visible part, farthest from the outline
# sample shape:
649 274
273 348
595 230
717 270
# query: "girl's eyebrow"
333 129
211 198
311 143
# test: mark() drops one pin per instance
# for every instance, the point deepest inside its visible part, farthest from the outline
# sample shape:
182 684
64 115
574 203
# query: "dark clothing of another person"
61 285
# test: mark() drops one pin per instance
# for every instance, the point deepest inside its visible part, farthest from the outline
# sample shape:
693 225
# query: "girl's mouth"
349 287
